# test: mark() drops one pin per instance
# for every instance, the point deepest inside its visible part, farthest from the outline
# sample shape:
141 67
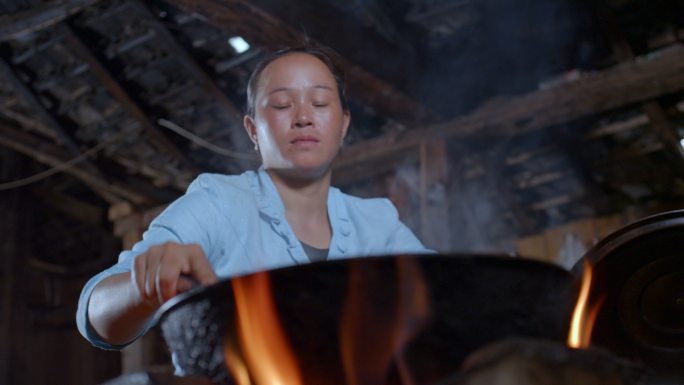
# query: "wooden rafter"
179 53
115 89
43 115
656 114
53 156
49 123
43 16
640 80
263 29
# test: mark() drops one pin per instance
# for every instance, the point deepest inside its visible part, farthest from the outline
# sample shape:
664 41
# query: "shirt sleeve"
187 220
401 239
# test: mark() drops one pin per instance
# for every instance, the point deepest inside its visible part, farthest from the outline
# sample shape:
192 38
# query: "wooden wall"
564 245
39 343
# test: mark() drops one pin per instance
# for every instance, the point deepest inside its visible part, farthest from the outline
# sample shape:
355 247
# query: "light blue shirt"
239 221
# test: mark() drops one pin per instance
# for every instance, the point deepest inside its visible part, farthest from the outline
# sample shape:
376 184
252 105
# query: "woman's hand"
168 269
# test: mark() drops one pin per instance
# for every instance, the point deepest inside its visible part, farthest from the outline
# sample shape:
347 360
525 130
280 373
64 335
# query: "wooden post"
129 226
434 207
8 251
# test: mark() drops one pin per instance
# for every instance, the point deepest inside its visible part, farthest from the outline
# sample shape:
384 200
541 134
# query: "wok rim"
199 291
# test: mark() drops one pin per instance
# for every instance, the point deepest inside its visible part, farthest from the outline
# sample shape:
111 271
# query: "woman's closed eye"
281 106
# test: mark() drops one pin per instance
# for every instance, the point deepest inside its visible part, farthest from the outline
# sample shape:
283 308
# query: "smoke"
508 48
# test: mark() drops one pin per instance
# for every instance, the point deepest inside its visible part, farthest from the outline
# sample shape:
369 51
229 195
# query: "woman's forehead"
296 70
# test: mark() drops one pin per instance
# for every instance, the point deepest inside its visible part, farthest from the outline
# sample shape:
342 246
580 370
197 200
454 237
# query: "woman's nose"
303 116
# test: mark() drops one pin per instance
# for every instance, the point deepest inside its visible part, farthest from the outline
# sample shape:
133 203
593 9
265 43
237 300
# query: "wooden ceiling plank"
640 80
31 100
116 90
261 28
41 17
54 156
657 116
28 123
44 116
186 59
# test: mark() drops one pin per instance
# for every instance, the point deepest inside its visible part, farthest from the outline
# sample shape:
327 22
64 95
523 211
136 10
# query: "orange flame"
373 335
235 364
585 313
268 357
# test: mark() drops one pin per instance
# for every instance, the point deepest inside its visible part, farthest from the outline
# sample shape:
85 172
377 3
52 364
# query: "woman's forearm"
116 310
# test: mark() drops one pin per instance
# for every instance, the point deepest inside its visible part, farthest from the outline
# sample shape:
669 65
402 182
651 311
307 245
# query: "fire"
235 364
268 357
375 329
585 313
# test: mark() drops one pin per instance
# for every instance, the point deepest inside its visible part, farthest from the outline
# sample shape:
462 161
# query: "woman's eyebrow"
324 87
317 86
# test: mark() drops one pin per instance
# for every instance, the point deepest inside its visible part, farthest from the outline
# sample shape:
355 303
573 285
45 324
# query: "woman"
285 213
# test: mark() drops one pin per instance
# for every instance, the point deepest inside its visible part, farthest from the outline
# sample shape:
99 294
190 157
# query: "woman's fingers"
158 272
153 258
200 268
173 262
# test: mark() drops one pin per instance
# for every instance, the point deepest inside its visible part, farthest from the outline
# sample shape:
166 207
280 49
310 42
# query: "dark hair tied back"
325 54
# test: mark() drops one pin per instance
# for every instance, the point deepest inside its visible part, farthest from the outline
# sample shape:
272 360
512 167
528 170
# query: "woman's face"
298 120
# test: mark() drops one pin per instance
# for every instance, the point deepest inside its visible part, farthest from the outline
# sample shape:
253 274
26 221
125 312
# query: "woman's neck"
306 206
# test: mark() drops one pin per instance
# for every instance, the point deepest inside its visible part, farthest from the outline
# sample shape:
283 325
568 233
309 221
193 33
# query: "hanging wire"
51 171
61 167
203 142
74 161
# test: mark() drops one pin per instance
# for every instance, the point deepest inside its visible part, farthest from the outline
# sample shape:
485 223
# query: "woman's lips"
305 139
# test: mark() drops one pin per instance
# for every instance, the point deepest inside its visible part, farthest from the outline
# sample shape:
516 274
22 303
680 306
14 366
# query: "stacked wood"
538 362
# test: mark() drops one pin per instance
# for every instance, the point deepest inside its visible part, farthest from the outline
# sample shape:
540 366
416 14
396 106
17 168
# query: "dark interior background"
487 122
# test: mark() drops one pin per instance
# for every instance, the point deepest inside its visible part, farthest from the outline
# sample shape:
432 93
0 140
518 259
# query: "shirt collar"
267 196
269 203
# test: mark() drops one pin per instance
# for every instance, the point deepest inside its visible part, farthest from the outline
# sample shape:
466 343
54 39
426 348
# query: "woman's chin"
304 169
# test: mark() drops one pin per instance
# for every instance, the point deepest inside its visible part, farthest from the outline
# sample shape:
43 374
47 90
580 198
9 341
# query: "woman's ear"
250 127
346 119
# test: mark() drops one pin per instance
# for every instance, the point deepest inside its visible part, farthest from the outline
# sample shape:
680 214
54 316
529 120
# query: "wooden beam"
656 114
156 135
48 120
28 123
53 156
179 53
660 73
43 115
434 198
261 28
40 17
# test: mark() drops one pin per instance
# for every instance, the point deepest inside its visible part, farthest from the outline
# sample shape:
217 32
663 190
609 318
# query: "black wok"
473 300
